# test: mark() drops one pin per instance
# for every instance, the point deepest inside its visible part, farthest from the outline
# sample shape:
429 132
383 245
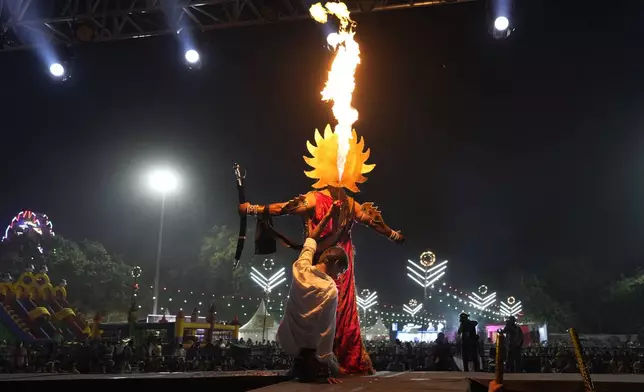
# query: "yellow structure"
37 289
180 327
33 286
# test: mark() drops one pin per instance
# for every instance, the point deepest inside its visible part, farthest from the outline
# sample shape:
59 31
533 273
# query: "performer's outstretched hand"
317 232
400 239
495 387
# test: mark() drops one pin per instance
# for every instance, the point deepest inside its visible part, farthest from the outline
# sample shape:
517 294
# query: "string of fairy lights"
426 273
174 300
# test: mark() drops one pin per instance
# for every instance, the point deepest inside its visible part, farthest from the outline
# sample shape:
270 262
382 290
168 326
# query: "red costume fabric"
348 345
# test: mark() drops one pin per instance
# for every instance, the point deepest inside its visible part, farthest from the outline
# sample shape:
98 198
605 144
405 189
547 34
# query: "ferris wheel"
28 222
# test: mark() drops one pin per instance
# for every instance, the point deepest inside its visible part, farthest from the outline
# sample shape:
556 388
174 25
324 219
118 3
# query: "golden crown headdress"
324 161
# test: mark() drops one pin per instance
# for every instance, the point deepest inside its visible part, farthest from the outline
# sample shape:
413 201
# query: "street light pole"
162 181
155 299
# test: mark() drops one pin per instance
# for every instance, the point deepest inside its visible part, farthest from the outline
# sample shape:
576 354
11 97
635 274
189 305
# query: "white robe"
309 318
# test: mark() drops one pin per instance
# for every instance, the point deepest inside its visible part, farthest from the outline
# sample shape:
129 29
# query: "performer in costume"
312 207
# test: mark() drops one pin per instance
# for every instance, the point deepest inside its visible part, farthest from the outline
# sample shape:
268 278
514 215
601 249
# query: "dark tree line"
590 298
96 280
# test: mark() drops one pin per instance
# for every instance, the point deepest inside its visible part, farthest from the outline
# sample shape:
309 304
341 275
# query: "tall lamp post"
162 181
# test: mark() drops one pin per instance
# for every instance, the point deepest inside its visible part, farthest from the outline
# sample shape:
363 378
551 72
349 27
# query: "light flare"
341 83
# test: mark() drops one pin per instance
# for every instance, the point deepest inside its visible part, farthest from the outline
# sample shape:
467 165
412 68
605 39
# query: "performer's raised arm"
300 205
369 215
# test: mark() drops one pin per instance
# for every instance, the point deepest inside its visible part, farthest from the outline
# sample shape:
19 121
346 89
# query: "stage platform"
226 381
270 381
466 382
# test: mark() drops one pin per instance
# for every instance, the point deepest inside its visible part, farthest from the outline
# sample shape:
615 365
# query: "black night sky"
501 156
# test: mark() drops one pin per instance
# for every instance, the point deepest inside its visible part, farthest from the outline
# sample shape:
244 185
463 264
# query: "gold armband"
254 209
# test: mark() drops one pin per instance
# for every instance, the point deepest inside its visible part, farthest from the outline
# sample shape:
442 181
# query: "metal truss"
26 23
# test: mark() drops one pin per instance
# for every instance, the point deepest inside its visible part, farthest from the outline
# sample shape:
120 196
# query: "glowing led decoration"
482 301
427 258
412 308
268 284
413 302
426 276
268 264
27 222
511 307
136 272
368 301
365 292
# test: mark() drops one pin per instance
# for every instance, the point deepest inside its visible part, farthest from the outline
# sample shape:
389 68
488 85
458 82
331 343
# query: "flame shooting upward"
341 81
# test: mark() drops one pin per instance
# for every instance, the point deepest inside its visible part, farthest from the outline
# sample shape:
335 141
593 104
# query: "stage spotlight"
192 59
501 23
192 56
501 18
57 70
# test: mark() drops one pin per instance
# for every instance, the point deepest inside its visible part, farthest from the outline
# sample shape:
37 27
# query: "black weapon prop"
265 234
241 194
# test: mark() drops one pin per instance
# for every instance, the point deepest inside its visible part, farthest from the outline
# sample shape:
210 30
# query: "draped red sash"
348 345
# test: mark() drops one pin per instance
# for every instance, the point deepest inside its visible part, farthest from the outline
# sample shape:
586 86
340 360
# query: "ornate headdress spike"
323 160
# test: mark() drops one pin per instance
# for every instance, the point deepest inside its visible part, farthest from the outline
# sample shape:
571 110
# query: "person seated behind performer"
307 330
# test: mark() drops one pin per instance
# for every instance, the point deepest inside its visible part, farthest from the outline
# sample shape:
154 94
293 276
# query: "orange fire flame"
341 81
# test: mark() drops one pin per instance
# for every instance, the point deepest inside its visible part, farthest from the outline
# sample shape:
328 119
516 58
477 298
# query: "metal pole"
156 273
422 334
265 313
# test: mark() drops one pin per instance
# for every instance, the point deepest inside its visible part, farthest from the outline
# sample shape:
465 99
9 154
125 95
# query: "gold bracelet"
252 209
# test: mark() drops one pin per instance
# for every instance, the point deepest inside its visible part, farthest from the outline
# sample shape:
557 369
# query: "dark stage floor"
265 381
225 381
462 382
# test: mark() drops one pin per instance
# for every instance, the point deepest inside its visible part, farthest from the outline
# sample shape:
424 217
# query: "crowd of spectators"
230 355
154 355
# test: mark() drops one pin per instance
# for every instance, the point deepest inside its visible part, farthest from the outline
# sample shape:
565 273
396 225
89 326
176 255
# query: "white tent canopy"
261 324
377 331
